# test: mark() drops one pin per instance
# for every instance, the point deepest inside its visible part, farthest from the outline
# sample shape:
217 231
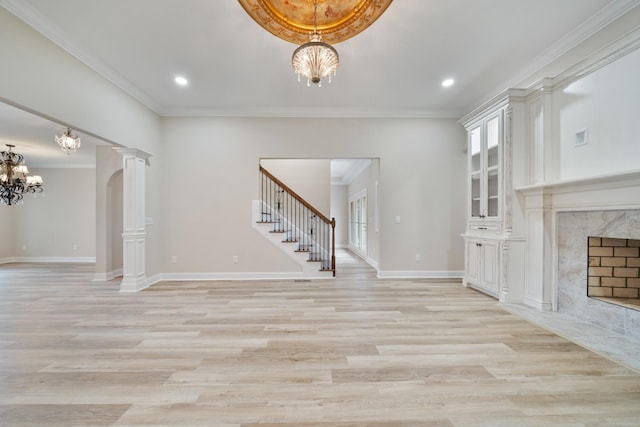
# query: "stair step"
278 231
302 250
290 241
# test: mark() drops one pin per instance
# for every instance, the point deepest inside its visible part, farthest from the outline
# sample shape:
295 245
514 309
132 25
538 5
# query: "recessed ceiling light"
448 83
181 81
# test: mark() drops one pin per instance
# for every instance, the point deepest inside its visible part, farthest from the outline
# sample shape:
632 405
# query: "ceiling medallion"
293 20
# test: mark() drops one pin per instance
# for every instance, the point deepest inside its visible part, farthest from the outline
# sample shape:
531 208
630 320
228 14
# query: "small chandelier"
68 142
14 181
315 59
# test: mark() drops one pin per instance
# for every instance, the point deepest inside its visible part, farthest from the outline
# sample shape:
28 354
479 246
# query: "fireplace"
578 274
614 270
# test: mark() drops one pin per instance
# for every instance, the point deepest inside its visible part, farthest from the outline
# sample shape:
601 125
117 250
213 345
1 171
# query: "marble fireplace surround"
606 206
573 229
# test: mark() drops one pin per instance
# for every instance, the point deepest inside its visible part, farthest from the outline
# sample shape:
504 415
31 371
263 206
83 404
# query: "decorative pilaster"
538 271
134 233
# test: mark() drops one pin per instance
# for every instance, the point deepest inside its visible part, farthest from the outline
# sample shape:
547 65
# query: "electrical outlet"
236 259
418 257
582 137
174 259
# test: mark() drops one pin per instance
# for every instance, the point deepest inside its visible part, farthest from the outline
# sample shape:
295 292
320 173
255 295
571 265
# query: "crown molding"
35 20
313 112
584 31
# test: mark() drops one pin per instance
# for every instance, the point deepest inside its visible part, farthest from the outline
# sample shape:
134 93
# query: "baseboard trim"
537 304
105 277
420 274
133 286
182 277
51 260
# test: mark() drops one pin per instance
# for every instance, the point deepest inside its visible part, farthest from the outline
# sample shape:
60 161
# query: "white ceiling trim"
37 166
34 19
318 112
588 28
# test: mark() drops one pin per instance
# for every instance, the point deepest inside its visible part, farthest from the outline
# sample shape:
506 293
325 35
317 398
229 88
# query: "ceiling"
33 137
394 68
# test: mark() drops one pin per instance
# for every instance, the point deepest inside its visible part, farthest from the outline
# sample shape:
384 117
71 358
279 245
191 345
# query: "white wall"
108 164
340 211
115 188
207 211
59 223
309 178
7 235
607 104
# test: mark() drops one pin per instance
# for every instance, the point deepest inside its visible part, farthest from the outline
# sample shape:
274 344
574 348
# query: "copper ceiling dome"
337 20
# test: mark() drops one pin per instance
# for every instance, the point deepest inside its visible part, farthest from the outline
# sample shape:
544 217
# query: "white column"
538 271
134 234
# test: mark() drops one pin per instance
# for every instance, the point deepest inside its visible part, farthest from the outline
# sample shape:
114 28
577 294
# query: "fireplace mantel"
542 205
559 218
615 191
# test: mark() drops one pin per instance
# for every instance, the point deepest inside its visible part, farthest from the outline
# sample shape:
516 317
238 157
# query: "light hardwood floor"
353 352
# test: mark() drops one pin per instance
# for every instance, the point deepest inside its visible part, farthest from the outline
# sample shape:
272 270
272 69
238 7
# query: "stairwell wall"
309 178
340 211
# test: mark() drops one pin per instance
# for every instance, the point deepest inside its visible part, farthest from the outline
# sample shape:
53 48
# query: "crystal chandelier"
315 59
68 142
14 181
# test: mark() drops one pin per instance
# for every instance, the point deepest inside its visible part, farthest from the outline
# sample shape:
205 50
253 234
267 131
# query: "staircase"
296 227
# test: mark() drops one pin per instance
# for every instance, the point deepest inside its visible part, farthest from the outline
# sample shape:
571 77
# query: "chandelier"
68 142
14 181
315 59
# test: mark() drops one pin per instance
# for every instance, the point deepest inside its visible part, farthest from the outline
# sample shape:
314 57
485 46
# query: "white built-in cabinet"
482 264
490 245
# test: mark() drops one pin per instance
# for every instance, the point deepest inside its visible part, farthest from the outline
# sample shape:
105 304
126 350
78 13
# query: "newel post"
133 234
333 246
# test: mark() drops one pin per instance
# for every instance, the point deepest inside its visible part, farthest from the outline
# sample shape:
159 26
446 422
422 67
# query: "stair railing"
298 221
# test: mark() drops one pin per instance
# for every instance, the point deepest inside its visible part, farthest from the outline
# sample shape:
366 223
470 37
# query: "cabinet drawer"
492 228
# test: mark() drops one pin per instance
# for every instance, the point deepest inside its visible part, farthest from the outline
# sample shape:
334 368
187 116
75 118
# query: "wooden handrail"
327 255
296 196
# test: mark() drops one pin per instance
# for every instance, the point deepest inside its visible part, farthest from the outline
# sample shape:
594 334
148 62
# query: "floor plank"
352 352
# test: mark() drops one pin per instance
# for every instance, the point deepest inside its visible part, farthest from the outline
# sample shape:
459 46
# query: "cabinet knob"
478 244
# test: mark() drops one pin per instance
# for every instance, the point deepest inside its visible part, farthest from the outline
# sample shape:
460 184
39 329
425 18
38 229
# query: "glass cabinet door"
493 142
484 167
475 143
